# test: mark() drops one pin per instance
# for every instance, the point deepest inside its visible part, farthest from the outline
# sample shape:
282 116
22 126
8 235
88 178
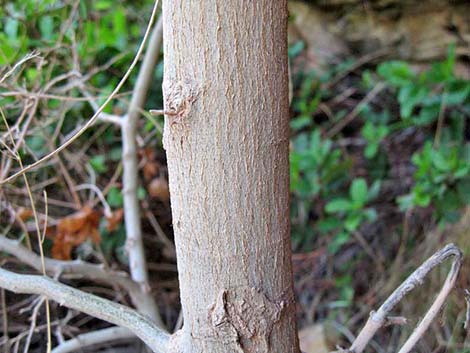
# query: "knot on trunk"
179 95
246 315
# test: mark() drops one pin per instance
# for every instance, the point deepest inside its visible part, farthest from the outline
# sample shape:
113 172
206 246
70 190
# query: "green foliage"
113 243
317 169
417 102
115 198
374 135
352 210
423 96
98 163
442 178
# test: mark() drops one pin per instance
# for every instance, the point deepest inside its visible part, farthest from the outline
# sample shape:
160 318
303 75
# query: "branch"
27 57
134 245
93 338
104 117
79 267
89 304
356 111
379 318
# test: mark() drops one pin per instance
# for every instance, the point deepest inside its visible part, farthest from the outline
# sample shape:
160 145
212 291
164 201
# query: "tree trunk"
226 137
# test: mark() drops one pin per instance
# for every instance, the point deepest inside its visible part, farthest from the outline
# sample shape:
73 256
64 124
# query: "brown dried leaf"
75 229
158 188
24 213
115 220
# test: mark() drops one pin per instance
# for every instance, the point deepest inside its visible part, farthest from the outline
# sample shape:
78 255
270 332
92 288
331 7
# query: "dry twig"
381 317
93 338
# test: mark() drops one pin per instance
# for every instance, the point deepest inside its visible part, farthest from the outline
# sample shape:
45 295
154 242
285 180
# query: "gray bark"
226 137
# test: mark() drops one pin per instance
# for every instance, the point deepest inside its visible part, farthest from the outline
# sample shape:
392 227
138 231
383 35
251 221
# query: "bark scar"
179 98
247 315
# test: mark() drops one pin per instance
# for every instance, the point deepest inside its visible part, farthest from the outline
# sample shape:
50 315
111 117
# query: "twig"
440 120
355 112
107 209
5 321
157 112
27 57
466 325
92 120
32 327
93 338
89 304
105 117
38 230
380 318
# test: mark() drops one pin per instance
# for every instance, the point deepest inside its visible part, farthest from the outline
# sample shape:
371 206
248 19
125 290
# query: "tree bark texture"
226 137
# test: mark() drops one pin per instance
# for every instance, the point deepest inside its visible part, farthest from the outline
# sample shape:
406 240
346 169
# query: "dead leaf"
151 167
115 220
24 213
158 188
75 229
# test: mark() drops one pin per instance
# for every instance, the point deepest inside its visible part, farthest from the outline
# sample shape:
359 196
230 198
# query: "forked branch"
380 317
77 267
89 304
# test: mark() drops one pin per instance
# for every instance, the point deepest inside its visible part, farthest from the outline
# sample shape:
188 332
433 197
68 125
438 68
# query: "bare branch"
92 120
380 318
466 324
355 112
27 57
89 304
93 338
134 245
77 267
104 117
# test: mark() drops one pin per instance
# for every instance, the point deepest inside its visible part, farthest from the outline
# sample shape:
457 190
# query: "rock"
412 30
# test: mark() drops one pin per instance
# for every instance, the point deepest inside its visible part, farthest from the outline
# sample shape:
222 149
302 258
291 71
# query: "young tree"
227 139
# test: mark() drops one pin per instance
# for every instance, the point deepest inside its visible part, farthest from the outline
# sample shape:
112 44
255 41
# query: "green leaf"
371 150
370 214
115 154
463 190
46 27
328 224
114 197
11 28
442 162
338 241
352 222
421 199
374 190
338 205
141 193
358 191
397 73
409 97
98 163
405 202
296 49
300 122
103 4
458 91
